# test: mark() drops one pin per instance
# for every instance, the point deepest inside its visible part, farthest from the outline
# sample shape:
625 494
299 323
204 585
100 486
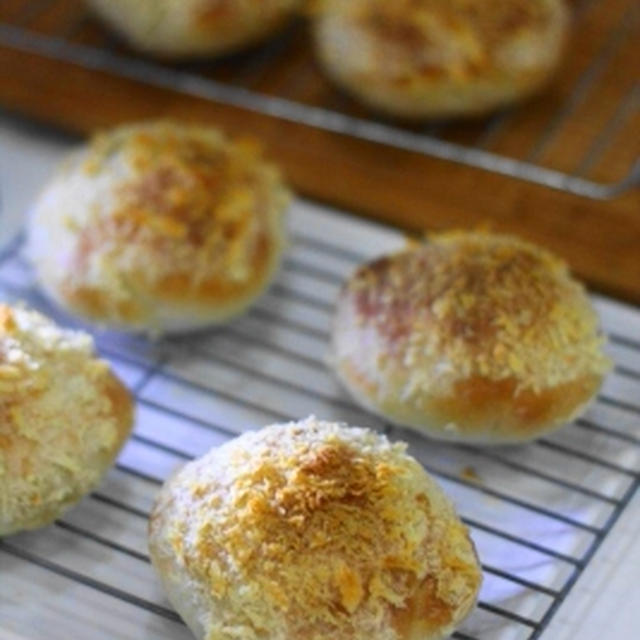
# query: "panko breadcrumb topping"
457 38
57 417
27 339
479 305
311 527
192 195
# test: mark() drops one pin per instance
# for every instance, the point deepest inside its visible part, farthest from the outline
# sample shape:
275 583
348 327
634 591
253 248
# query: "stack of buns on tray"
412 59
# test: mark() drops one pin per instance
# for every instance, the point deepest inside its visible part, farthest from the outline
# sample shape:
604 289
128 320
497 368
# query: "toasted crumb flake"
57 419
319 524
477 304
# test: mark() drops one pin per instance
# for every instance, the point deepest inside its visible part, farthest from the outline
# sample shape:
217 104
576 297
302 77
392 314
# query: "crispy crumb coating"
312 530
63 418
474 335
159 226
193 28
430 58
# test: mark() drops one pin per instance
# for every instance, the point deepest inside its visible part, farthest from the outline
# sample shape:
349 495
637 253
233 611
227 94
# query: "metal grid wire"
110 56
537 513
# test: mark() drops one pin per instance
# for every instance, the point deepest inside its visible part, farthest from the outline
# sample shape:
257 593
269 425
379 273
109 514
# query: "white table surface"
603 605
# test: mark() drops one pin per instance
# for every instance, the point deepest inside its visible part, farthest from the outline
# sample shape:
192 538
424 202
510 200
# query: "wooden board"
577 127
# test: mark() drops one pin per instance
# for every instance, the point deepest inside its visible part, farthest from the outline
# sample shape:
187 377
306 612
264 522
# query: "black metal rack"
538 513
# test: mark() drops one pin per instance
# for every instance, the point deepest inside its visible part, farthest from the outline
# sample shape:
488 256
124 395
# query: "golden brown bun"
440 58
312 530
194 28
474 336
159 227
63 418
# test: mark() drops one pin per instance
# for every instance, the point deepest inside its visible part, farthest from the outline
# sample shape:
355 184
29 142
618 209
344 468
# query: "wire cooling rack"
581 136
537 513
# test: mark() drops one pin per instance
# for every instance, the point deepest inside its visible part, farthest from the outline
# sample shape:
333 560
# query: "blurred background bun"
440 58
194 28
159 227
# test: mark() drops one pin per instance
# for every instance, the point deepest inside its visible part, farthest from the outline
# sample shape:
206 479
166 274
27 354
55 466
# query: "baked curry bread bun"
474 336
312 530
194 28
159 226
63 418
440 58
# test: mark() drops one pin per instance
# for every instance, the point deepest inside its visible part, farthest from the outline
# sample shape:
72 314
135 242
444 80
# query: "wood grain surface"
576 127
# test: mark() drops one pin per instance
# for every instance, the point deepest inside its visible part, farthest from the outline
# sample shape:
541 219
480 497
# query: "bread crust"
160 227
312 530
63 418
440 58
474 336
178 29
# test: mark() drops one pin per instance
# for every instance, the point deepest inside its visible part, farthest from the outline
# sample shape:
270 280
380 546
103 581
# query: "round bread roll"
63 418
475 336
194 28
440 58
159 227
312 530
